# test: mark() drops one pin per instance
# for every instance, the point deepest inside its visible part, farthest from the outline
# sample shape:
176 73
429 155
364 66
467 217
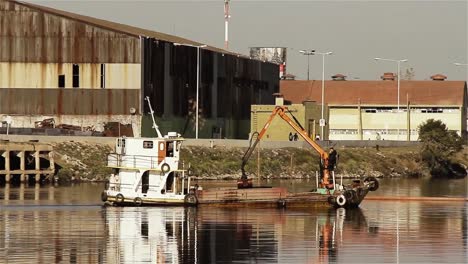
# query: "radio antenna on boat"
152 117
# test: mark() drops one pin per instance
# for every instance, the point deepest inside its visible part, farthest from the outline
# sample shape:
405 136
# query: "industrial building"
307 114
369 110
60 70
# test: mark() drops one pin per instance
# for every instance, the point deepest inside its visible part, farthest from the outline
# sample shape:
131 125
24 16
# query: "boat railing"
132 161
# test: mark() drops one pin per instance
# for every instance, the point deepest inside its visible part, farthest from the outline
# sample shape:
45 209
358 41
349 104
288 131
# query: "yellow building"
369 110
307 115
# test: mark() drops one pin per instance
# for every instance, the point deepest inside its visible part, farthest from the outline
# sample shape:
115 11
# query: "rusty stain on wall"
23 101
28 35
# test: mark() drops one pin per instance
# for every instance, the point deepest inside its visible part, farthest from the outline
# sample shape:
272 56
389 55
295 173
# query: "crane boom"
244 182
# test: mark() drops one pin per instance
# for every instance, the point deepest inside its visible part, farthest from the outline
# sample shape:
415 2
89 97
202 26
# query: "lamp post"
198 81
398 83
322 120
308 53
398 75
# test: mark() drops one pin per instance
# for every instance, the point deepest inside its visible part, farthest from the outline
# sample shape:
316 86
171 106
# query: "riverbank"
82 161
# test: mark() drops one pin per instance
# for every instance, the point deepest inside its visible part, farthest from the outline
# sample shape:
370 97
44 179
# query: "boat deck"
259 197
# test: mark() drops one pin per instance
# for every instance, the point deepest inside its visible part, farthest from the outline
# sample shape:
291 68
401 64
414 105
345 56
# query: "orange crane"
245 182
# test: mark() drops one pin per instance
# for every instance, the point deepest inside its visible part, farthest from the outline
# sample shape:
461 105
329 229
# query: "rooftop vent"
288 77
388 76
438 77
339 77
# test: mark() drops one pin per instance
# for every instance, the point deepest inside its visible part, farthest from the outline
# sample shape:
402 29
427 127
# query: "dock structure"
24 159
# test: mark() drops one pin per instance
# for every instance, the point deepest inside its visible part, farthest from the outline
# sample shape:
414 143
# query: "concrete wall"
45 75
87 123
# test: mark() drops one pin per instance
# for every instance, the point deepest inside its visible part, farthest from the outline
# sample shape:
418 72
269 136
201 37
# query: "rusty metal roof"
441 93
121 28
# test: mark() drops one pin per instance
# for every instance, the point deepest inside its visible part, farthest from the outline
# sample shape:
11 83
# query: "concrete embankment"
241 143
84 158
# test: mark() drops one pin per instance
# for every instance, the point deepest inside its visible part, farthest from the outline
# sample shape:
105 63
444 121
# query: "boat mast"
152 117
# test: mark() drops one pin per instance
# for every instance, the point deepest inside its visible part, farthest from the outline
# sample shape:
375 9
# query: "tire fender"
341 200
191 199
119 198
165 168
138 201
374 183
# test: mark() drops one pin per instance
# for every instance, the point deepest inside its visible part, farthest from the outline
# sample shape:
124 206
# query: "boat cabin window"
170 149
148 144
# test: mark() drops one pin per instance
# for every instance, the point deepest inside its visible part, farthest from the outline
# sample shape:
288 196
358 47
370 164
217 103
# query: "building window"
76 76
103 75
61 81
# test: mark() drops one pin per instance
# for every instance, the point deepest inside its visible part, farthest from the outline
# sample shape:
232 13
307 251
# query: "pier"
26 160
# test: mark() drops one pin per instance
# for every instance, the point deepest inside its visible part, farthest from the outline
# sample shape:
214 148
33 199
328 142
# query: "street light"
460 64
198 81
398 80
322 120
308 53
398 75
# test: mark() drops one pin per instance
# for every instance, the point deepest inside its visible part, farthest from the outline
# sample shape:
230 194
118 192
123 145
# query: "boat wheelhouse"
146 170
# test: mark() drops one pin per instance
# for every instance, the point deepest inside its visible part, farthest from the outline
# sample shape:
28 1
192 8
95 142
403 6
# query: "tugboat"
146 171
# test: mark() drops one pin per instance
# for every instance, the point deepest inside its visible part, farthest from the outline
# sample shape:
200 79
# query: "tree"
409 74
438 145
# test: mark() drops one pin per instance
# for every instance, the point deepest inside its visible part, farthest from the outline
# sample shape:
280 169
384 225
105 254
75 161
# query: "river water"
67 224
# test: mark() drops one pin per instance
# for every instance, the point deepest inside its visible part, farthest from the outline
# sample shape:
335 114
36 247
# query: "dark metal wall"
27 35
228 84
68 101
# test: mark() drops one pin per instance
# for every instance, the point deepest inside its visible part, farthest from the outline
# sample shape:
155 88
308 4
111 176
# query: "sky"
431 35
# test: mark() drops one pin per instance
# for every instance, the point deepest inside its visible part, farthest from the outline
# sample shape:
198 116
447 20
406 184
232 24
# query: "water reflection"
24 192
51 235
207 235
46 224
155 235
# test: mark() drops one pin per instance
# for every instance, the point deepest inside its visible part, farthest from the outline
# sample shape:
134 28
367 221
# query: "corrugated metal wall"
228 86
27 35
45 75
23 101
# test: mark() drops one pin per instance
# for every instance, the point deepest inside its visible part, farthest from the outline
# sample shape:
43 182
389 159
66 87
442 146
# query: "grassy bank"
87 162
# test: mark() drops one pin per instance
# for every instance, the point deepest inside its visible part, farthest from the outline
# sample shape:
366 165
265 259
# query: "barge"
147 171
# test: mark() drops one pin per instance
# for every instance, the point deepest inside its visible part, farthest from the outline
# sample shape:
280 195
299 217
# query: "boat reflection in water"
208 235
156 235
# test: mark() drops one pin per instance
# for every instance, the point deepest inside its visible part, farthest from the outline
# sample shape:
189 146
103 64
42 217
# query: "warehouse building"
369 110
63 71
